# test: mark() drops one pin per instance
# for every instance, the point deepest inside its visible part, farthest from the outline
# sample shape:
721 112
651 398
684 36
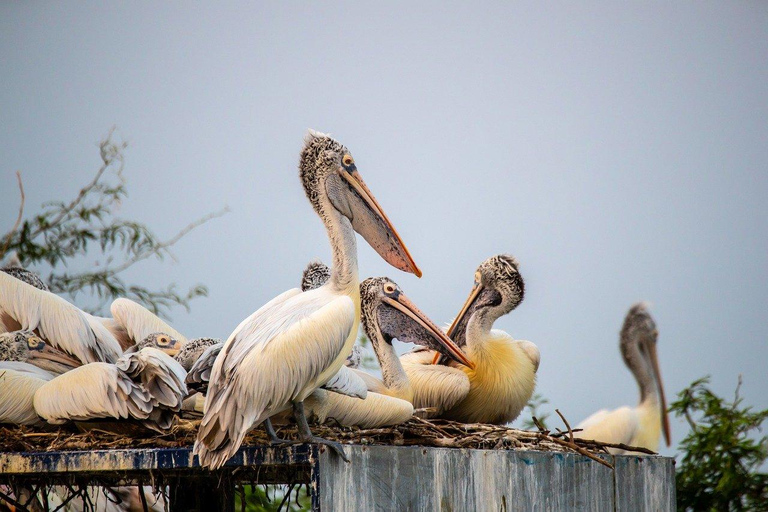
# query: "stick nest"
415 432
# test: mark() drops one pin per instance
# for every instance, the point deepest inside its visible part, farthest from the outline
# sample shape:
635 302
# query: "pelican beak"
450 349
657 372
472 296
173 348
369 219
49 353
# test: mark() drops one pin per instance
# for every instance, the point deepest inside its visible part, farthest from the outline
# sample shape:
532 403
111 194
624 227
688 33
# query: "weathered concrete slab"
444 479
378 477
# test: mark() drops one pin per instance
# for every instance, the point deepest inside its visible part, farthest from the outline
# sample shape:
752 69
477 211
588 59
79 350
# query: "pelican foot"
273 439
305 434
333 445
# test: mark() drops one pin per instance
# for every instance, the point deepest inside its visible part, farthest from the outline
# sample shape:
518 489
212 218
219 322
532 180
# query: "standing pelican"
640 425
296 342
504 373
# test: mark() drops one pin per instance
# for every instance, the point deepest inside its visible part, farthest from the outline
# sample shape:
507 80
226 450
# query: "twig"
18 219
567 425
165 245
581 451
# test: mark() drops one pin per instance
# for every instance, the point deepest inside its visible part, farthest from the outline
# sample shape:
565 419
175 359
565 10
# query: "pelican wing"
436 386
616 426
93 391
27 369
139 322
159 374
200 373
60 323
532 351
375 411
17 390
268 362
347 382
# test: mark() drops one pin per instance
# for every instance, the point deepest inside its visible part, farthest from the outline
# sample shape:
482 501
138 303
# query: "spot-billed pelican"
14 269
387 313
19 380
643 424
193 350
503 378
62 325
296 342
147 386
160 341
131 322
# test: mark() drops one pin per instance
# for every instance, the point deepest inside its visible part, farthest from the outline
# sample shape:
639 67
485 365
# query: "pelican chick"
298 341
643 424
504 374
19 380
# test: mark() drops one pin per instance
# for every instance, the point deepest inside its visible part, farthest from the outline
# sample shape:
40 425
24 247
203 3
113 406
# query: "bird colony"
295 358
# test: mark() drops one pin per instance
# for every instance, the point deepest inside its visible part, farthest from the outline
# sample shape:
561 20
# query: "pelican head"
158 340
498 289
16 346
26 346
328 171
192 350
387 313
315 275
638 349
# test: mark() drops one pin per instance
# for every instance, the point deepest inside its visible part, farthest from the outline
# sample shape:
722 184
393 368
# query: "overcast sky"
619 151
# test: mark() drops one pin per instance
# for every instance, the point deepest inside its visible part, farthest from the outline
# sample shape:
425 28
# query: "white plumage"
60 323
147 385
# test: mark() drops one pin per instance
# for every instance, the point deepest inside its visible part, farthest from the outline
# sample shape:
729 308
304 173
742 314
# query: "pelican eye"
348 161
34 342
478 276
389 289
163 340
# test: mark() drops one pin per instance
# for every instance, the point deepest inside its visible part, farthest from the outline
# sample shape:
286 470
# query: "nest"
415 432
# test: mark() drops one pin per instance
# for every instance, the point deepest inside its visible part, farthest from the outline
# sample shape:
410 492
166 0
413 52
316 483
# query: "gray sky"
619 151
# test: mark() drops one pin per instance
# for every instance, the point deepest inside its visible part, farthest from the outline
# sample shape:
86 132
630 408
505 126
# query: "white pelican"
503 378
296 342
18 378
641 425
62 325
147 386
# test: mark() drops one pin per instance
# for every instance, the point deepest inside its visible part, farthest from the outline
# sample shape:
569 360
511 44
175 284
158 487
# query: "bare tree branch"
18 219
163 246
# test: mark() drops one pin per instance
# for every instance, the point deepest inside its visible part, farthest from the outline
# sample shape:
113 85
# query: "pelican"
19 380
147 386
643 424
14 269
131 322
387 313
62 325
503 377
296 342
193 350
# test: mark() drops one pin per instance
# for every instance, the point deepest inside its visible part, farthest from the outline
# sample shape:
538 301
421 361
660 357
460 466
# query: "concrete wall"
417 479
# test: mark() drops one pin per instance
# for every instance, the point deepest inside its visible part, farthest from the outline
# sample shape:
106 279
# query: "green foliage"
85 233
722 458
534 404
273 498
